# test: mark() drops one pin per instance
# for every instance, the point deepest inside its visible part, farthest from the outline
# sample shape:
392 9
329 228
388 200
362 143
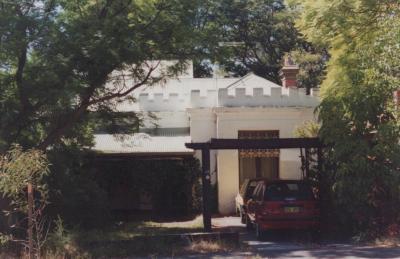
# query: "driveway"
293 245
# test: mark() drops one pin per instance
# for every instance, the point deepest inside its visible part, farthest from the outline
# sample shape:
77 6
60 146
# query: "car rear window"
288 191
250 188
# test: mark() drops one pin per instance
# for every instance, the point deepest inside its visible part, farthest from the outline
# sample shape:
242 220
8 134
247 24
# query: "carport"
224 144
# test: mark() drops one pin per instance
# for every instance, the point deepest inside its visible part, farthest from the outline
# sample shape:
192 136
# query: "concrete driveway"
292 244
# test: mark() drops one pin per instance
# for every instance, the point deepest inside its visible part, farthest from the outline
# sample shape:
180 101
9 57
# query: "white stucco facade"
226 122
220 108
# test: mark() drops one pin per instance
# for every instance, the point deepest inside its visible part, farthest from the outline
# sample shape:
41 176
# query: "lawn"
128 230
139 238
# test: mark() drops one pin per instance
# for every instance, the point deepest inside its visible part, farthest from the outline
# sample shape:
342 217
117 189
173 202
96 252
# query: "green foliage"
357 111
60 59
82 189
202 69
309 129
255 35
17 169
172 184
60 242
312 66
74 192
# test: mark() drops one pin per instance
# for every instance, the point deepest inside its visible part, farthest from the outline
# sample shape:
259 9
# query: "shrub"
82 185
75 194
22 183
172 184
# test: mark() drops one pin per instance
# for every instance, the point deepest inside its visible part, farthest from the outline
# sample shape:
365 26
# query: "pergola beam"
279 143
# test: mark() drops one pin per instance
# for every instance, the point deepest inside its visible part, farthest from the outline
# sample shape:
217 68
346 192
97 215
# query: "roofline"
243 78
142 154
240 79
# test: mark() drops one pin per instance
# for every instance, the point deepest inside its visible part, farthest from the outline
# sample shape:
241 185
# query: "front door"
256 163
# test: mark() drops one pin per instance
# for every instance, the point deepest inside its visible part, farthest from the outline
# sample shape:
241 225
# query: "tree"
22 172
312 67
61 59
65 65
256 34
357 110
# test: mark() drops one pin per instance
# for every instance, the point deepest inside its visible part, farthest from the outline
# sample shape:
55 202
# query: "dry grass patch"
204 247
196 223
387 242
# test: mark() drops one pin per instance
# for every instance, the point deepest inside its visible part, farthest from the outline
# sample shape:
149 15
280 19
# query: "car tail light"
309 206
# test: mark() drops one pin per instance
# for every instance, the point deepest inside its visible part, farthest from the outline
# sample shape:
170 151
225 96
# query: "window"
286 191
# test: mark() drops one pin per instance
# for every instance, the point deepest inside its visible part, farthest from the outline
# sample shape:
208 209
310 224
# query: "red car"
282 204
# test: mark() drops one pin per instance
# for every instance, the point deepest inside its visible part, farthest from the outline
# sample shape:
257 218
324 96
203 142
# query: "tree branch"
121 94
74 116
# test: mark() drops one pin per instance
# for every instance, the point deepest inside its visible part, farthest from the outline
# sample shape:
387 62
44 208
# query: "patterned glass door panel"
255 163
259 134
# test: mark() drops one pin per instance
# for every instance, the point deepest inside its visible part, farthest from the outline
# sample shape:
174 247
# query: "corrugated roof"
140 143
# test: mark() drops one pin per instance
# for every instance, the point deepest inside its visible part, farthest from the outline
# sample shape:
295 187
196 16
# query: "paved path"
293 245
271 250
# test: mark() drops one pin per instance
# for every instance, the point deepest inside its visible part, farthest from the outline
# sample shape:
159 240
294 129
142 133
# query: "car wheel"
259 232
248 223
315 235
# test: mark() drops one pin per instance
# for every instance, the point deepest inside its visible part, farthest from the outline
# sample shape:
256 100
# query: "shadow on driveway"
293 244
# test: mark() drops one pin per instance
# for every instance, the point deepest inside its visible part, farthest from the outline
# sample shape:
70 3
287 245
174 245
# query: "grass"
131 239
140 238
129 230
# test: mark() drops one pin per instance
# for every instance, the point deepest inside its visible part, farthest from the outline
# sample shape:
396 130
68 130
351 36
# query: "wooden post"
319 157
30 220
302 164
205 177
307 161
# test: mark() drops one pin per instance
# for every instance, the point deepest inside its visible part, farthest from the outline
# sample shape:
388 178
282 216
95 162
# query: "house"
196 109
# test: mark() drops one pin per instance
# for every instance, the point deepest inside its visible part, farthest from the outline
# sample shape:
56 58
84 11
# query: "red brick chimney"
289 72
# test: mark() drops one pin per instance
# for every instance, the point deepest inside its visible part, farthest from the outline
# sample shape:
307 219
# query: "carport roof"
140 143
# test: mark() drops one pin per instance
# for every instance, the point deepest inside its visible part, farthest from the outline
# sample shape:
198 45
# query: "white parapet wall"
236 97
203 98
265 97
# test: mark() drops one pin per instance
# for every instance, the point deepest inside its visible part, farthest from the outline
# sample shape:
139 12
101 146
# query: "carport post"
319 165
205 177
307 153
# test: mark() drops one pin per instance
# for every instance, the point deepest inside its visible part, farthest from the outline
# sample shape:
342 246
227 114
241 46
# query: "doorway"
256 163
